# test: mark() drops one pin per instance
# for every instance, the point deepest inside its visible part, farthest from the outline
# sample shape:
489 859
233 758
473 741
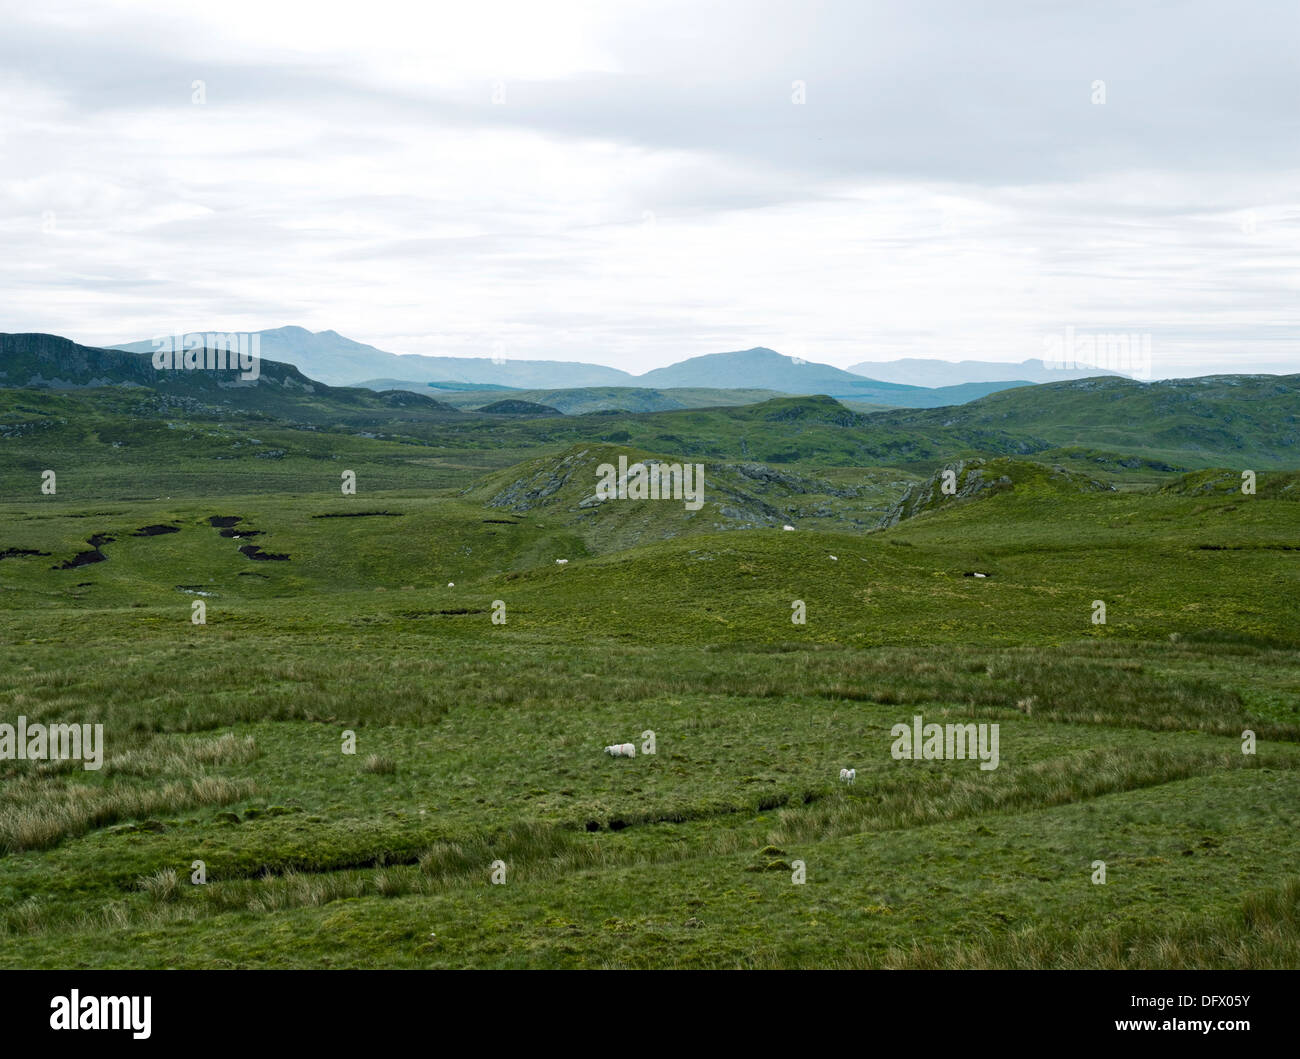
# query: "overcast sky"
634 183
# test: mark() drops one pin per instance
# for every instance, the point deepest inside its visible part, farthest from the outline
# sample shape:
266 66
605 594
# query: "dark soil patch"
14 553
86 558
222 521
1249 547
252 551
363 514
155 531
83 559
229 533
435 613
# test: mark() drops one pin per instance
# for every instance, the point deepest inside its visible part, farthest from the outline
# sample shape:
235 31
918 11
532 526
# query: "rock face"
527 492
972 480
983 478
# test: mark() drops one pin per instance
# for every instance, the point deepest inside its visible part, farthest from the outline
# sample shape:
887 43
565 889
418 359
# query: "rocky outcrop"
971 480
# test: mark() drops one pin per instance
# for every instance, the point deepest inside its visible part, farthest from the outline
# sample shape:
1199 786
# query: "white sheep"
621 750
835 558
848 775
451 584
790 528
561 561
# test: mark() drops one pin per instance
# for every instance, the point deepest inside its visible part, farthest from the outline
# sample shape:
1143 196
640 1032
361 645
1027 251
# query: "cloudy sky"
634 183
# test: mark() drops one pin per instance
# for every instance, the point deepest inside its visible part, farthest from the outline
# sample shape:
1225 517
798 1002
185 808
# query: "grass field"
479 742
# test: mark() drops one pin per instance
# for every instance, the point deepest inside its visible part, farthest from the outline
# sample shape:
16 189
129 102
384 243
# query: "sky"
632 183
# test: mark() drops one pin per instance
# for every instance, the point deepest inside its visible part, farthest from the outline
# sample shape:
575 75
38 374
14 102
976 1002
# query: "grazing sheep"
791 528
561 561
848 775
451 584
621 750
835 558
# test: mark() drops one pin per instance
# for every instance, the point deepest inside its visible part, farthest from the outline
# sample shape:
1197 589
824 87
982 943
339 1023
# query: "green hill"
1245 419
47 362
1224 483
586 399
514 406
980 479
561 490
480 740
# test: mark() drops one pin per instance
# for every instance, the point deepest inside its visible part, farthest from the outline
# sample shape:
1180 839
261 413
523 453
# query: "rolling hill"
328 356
584 400
1208 421
762 661
48 362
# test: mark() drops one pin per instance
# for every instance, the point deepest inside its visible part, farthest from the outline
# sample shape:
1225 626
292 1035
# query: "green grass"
478 742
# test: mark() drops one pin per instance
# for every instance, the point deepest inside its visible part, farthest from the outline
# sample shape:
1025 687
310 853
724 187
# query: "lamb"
848 775
621 750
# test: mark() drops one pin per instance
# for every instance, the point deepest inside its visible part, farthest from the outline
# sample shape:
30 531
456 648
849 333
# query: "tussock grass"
1262 934
380 765
911 799
189 756
39 813
608 861
1127 685
162 885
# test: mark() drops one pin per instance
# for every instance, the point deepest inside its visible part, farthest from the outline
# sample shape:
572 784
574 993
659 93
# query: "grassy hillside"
430 615
1247 419
583 400
562 489
47 362
480 742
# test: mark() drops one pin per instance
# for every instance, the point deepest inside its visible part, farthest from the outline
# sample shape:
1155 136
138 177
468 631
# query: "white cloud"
647 191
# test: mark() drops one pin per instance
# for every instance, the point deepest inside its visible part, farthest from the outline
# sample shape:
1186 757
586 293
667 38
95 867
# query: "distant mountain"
442 389
760 367
582 400
51 362
767 369
339 361
324 355
918 371
511 374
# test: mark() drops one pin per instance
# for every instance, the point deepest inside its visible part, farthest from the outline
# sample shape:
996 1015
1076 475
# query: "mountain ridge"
339 361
